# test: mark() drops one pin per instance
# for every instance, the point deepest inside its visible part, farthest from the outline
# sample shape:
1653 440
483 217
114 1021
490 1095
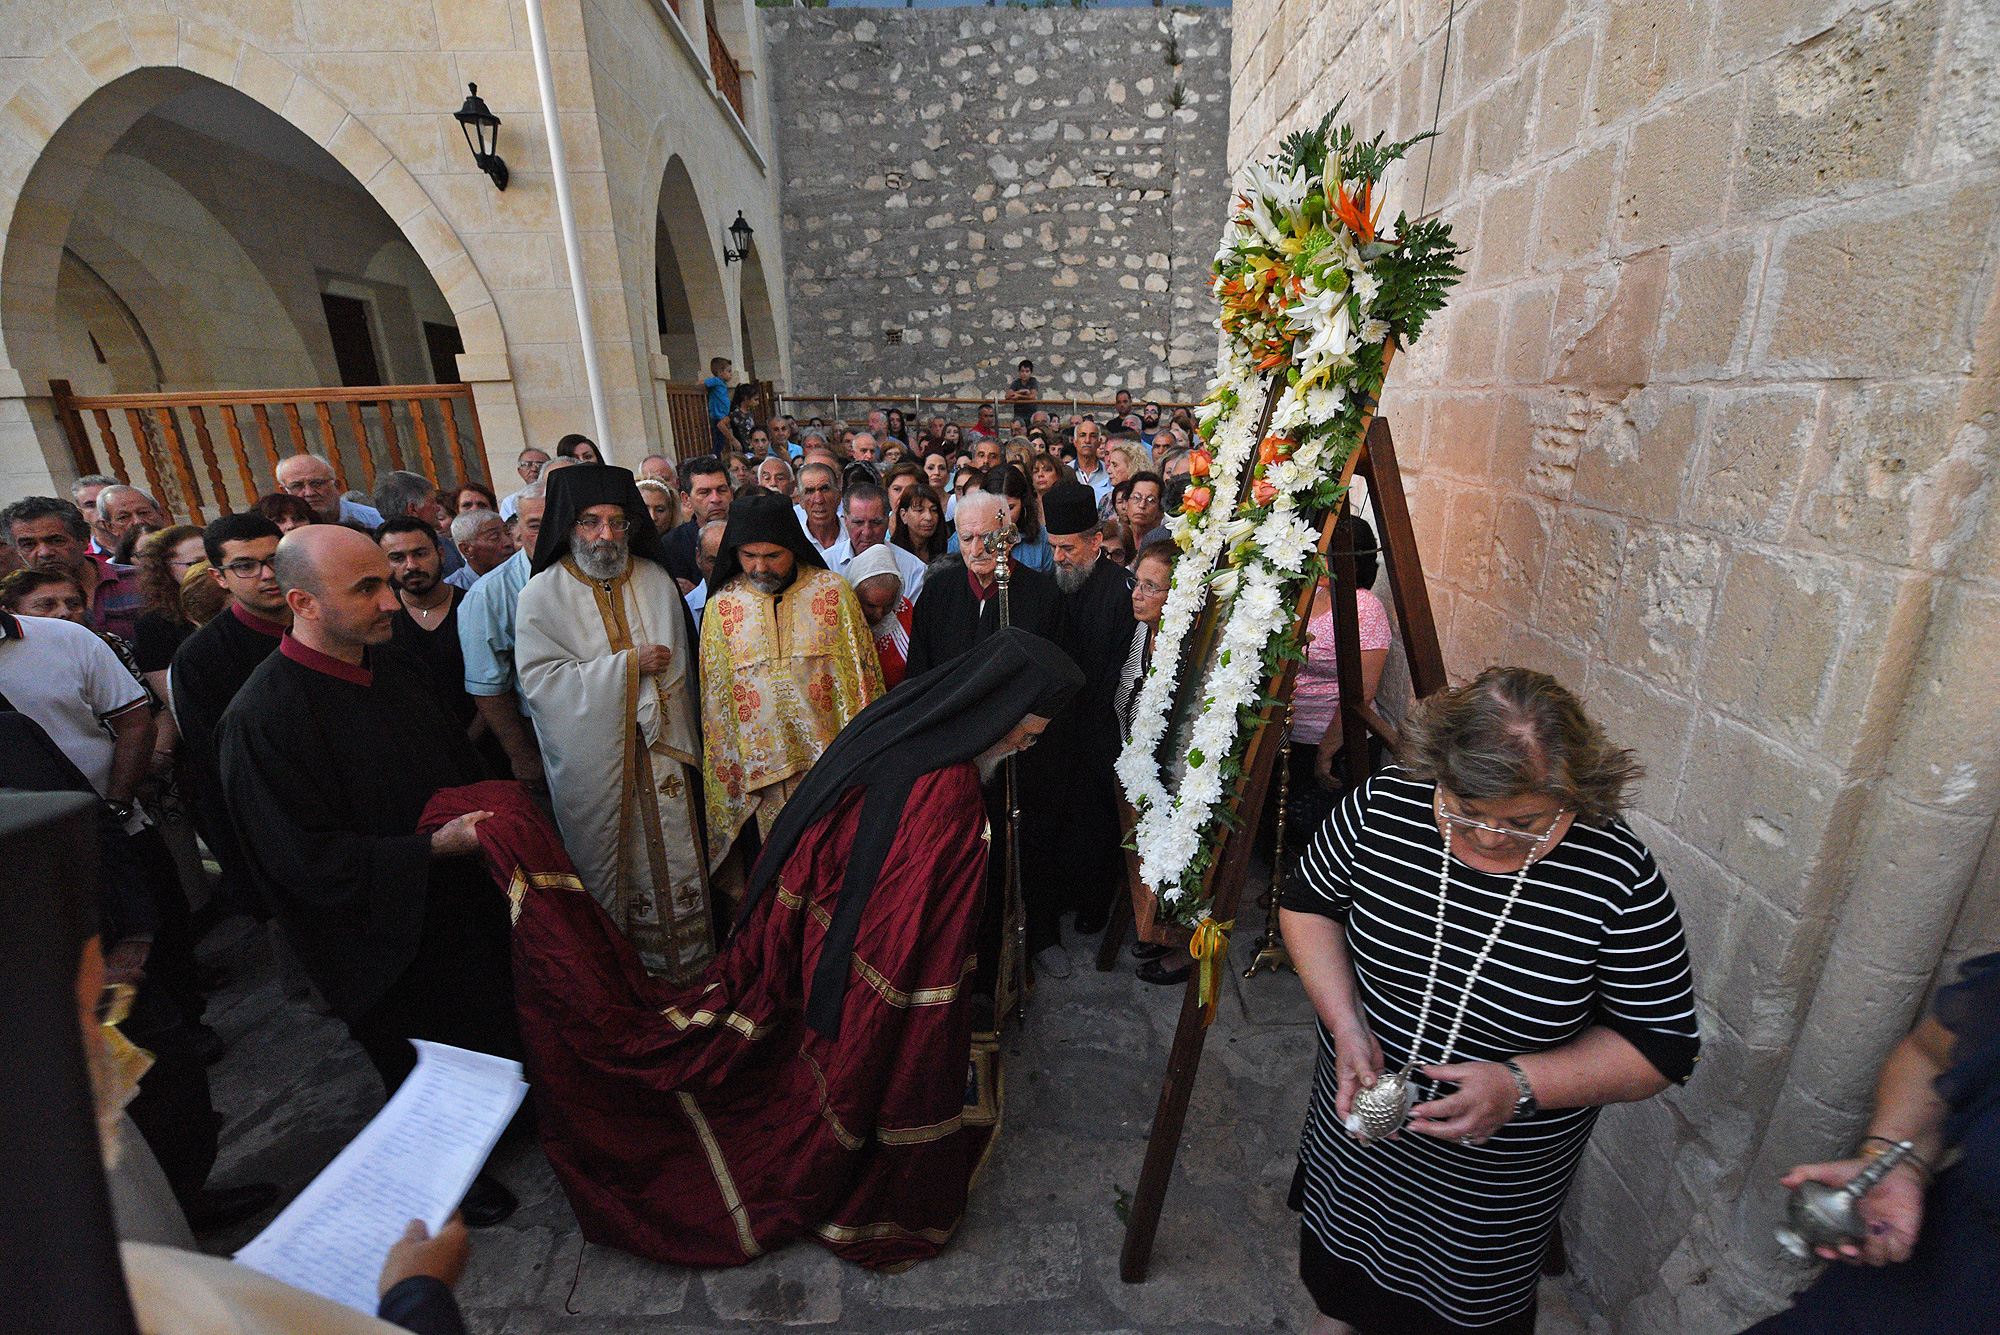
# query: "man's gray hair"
397 491
466 526
30 508
782 463
810 436
977 501
116 492
818 467
715 526
90 480
534 491
532 449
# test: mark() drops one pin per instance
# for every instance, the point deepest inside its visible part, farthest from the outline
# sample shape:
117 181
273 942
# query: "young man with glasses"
212 664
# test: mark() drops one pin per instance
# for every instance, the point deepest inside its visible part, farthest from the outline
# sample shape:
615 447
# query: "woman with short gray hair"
1493 955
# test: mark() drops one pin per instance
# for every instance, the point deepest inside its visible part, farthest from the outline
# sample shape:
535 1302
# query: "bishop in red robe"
820 1077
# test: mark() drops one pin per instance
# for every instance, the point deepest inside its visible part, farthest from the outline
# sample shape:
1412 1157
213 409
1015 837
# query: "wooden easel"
1375 460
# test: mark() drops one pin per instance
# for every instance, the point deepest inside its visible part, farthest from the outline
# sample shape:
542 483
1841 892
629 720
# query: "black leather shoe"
487 1203
216 1208
1155 971
1148 950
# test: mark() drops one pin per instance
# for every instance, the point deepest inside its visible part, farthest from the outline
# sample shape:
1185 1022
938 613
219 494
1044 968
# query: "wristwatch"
1525 1104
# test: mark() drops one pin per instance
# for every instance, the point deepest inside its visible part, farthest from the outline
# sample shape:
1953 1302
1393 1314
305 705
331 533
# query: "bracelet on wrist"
1874 1147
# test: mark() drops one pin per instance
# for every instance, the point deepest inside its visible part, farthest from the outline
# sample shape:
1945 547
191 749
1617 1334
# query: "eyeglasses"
591 524
1457 821
245 568
1150 589
303 485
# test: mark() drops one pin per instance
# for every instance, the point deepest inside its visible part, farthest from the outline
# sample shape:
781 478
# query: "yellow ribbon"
1209 947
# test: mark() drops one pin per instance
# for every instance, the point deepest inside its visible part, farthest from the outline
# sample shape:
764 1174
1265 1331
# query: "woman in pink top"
1316 732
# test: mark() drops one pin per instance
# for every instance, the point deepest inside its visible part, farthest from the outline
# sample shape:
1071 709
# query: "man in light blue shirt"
486 637
1089 471
311 479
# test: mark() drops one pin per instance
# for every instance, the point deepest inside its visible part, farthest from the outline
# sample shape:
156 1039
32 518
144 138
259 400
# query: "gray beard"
1071 578
601 560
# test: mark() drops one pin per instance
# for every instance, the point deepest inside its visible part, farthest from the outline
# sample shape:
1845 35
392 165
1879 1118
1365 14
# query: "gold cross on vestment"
671 785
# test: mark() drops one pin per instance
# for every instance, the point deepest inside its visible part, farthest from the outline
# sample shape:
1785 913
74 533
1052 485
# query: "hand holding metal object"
1821 1216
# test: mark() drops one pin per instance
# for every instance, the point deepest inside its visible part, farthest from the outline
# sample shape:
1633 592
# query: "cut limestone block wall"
988 185
1708 433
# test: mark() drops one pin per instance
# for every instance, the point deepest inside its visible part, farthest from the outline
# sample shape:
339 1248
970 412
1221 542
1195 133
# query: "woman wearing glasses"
1484 939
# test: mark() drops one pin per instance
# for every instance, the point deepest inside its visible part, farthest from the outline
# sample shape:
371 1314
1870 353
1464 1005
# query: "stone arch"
81 98
688 278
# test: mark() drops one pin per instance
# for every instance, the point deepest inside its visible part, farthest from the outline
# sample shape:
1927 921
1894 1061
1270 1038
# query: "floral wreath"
1314 299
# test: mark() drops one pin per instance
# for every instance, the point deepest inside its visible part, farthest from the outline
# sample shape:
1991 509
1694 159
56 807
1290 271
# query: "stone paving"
1039 1247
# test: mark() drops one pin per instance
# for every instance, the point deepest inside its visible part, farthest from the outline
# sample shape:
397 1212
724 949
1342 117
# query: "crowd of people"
660 659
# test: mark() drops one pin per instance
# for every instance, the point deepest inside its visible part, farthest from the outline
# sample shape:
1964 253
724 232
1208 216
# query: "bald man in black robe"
329 754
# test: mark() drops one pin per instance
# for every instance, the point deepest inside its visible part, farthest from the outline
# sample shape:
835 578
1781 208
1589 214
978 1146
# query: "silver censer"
1823 1216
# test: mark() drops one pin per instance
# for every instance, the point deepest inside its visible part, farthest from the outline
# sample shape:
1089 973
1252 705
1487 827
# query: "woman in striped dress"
1480 921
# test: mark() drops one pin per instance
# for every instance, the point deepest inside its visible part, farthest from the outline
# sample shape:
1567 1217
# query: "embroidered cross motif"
671 785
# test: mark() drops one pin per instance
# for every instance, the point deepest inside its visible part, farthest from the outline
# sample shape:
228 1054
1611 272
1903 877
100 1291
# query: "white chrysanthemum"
1366 285
1286 541
1324 401
1373 331
1291 413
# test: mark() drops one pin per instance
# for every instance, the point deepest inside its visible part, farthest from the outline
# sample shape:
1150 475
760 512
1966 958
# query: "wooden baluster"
263 416
177 455
389 442
110 438
361 442
423 434
448 410
202 438
325 419
72 424
146 459
361 436
235 430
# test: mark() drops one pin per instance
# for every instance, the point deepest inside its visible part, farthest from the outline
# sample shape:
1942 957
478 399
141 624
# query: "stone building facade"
183 184
1707 432
967 187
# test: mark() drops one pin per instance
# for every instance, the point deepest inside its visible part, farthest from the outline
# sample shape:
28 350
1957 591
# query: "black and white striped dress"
1594 939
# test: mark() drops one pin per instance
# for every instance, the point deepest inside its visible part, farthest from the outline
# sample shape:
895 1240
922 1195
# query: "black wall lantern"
482 135
740 233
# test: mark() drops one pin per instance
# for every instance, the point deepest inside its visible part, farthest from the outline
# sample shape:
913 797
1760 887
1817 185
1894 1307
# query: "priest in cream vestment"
786 660
605 649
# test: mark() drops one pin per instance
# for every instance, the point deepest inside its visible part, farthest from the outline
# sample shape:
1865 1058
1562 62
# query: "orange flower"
1199 463
1263 492
1355 212
1273 449
1196 500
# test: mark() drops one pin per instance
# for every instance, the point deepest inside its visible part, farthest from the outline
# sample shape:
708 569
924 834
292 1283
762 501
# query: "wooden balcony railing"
359 431
728 74
687 419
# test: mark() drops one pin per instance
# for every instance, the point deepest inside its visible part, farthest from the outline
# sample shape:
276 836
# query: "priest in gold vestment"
786 660
605 649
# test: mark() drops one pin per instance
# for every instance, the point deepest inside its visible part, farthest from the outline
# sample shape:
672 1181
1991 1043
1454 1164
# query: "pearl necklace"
1381 1109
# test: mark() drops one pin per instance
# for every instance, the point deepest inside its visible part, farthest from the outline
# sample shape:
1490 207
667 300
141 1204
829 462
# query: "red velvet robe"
706 1124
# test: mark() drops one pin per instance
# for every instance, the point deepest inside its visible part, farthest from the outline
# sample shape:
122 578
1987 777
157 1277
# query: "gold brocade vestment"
781 675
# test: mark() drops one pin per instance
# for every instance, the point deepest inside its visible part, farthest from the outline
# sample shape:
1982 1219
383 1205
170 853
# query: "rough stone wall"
1707 432
1000 184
